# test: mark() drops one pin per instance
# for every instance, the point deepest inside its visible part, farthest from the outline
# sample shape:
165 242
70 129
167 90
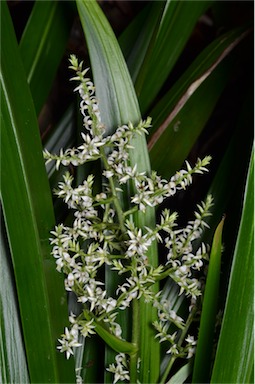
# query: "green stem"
116 202
181 339
117 206
135 304
131 211
135 340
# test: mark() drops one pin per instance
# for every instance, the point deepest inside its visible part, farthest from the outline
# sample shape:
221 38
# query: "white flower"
87 328
191 352
108 174
68 342
119 369
191 340
174 350
137 243
69 282
79 379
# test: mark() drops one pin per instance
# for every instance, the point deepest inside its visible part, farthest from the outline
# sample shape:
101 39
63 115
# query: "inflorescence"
103 234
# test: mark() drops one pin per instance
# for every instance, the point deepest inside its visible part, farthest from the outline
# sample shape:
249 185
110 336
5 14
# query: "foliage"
200 102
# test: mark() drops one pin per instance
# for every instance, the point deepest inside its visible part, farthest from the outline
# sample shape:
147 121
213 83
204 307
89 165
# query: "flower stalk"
179 344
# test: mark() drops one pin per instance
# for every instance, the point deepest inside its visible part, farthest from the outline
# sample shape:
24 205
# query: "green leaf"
175 27
138 38
29 217
181 376
209 310
113 85
235 352
12 353
182 113
118 104
43 44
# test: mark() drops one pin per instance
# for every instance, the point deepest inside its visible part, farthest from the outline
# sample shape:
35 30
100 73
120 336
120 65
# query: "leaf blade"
182 113
28 214
175 28
209 309
42 46
238 352
12 353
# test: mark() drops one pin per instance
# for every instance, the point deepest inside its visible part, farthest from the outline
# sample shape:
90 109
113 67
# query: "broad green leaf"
43 44
13 366
182 113
118 105
104 49
175 28
235 352
204 348
28 215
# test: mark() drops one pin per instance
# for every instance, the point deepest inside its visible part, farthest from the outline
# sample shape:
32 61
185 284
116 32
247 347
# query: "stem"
114 195
135 340
117 206
181 339
131 211
135 304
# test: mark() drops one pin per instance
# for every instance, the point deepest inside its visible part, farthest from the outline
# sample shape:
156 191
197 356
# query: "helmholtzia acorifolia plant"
102 233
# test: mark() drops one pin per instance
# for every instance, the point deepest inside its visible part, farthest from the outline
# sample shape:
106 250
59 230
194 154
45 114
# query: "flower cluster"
120 369
103 234
175 349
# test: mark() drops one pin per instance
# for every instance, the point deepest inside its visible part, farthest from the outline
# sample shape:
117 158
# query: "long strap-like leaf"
235 353
173 31
29 217
209 309
42 45
13 365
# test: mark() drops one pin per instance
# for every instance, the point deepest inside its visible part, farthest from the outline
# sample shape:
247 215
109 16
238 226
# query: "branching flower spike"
102 233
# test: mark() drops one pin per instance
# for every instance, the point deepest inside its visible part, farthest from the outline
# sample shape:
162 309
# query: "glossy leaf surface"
28 213
174 29
138 38
43 44
235 353
12 353
209 310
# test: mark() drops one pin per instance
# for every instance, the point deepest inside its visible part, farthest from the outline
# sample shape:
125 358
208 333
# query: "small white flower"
69 281
68 342
108 174
119 369
87 328
174 350
79 379
191 340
